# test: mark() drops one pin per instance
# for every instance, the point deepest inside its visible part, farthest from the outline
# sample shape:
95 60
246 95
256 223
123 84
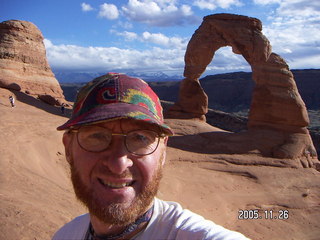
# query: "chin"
118 212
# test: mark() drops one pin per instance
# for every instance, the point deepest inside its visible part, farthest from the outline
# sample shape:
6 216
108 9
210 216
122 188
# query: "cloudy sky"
152 35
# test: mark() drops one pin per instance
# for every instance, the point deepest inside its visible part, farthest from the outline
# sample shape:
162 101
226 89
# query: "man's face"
115 185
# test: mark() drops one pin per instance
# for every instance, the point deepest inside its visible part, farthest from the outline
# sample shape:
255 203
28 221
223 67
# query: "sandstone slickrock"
276 103
23 63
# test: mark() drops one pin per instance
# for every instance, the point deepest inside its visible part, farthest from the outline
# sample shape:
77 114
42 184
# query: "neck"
109 231
102 228
119 235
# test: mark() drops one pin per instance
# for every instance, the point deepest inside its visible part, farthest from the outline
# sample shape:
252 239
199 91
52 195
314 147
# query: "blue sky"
152 35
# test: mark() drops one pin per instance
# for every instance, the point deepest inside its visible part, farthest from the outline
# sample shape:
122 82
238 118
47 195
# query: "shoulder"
173 211
171 221
75 229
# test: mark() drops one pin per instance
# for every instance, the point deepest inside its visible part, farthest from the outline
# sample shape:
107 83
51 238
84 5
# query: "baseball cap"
116 96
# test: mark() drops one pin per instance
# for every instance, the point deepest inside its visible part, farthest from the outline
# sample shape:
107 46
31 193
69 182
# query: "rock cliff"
23 63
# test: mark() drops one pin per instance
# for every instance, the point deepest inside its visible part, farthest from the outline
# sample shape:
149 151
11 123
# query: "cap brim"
114 111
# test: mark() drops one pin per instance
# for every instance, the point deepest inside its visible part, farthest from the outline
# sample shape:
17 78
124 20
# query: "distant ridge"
229 92
81 77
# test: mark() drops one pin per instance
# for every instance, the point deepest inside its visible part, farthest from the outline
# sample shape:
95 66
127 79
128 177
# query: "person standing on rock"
11 99
62 108
115 143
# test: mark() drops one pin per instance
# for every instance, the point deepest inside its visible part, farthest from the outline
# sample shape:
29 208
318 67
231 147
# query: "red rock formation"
276 102
23 63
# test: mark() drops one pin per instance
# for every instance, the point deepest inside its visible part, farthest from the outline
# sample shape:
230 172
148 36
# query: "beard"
116 213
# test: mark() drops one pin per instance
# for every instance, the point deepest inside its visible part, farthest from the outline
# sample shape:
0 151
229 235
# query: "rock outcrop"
23 63
276 103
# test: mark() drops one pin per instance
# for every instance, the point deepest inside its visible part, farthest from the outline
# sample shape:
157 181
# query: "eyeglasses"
97 139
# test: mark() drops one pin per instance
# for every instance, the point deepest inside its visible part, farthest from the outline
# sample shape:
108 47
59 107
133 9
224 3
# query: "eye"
143 137
139 138
97 136
94 139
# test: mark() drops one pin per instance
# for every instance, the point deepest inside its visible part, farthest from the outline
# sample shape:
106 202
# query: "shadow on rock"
30 100
263 142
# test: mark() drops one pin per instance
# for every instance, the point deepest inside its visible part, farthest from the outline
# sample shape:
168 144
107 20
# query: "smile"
115 185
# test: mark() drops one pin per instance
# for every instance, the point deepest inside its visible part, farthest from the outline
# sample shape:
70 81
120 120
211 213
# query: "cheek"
149 165
83 163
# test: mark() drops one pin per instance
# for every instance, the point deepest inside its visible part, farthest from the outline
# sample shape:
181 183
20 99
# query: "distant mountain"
75 77
155 76
81 77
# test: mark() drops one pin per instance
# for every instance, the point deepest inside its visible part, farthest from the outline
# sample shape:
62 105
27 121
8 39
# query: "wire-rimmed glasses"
138 142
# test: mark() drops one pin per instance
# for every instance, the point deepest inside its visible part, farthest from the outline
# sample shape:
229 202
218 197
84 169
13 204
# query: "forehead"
128 124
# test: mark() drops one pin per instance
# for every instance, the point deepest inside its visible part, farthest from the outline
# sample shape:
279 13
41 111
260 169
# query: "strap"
91 235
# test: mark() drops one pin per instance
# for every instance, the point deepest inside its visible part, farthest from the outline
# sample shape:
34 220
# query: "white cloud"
154 38
310 61
157 38
298 8
108 11
294 32
162 40
226 61
47 43
158 12
167 60
77 58
129 36
126 25
86 7
213 4
186 10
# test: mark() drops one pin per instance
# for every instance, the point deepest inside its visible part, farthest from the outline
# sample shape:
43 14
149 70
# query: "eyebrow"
143 126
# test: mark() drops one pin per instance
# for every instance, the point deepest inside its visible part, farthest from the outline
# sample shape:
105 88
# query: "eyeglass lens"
98 139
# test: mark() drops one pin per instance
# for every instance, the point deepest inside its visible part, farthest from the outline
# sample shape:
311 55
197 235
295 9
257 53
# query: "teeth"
115 185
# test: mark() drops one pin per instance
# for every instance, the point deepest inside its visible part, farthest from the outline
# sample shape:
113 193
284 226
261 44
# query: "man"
115 143
11 99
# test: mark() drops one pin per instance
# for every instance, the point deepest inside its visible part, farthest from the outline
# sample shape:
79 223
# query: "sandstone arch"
276 103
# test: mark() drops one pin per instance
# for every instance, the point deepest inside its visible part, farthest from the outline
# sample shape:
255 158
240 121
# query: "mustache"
106 171
103 170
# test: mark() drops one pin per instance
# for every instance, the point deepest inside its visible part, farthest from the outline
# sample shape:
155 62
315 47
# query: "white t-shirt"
169 221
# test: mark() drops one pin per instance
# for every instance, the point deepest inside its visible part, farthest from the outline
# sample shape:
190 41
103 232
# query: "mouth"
115 185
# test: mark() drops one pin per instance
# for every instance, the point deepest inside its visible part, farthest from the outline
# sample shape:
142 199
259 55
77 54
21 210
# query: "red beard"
116 213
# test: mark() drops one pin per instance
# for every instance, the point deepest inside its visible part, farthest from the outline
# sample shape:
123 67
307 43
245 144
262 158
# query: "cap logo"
108 92
140 98
107 95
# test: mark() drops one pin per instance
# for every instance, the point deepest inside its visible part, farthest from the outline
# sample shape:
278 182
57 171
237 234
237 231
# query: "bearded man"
115 143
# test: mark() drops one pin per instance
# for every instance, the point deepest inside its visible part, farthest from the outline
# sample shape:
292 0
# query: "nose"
116 157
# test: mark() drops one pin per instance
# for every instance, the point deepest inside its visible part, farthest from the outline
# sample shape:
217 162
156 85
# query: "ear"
164 155
164 151
166 140
67 141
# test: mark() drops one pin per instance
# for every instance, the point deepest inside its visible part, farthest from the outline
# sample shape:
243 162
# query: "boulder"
23 62
276 103
48 99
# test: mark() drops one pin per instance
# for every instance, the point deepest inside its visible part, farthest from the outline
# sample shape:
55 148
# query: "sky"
151 36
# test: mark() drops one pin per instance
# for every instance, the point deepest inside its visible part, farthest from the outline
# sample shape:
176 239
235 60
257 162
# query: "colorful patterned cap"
113 96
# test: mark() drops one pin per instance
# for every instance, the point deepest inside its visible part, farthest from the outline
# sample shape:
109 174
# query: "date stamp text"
263 214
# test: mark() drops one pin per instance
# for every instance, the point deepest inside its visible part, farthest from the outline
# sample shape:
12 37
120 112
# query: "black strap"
91 235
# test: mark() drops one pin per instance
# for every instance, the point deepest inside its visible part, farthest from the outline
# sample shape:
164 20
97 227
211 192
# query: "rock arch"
276 103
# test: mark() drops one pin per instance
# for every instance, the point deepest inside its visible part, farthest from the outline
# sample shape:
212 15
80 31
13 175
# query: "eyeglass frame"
158 136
